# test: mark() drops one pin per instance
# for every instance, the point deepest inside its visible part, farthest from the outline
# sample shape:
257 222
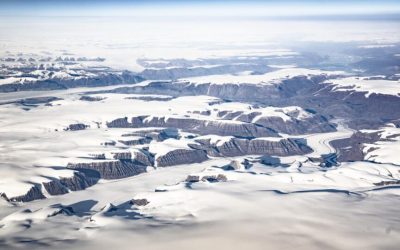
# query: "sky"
216 8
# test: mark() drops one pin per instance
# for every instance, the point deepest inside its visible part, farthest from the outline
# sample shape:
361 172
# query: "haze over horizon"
194 8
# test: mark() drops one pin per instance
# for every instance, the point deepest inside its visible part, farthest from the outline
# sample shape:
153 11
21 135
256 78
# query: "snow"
302 206
255 208
283 66
286 113
386 150
269 78
215 211
30 153
21 80
208 66
275 139
215 139
374 46
164 147
59 71
153 61
320 143
363 84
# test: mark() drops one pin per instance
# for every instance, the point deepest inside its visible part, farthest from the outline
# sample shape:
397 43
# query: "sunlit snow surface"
303 200
369 86
268 78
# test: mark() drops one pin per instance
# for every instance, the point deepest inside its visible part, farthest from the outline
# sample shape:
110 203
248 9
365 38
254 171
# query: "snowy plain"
280 203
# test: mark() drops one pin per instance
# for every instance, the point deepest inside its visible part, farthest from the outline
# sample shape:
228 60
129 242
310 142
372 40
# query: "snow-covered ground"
34 142
243 202
264 201
386 150
364 84
261 209
270 78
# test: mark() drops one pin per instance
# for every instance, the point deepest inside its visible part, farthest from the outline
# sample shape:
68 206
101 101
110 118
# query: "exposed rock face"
4 196
63 210
214 178
55 187
234 165
288 120
181 156
376 107
203 127
193 178
110 143
179 72
110 169
307 92
144 158
282 148
351 149
239 147
206 178
151 98
77 126
246 164
317 124
328 160
34 193
98 156
234 92
122 155
386 183
272 160
119 123
89 98
137 141
102 79
158 134
35 101
139 202
78 181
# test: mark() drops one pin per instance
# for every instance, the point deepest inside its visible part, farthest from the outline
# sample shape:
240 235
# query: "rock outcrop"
139 202
181 156
143 157
303 91
78 181
76 126
157 134
34 101
180 72
110 169
236 165
202 127
135 141
351 149
239 147
313 124
206 178
35 193
122 155
89 98
53 83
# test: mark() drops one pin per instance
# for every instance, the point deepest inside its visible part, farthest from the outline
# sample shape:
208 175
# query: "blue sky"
197 8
